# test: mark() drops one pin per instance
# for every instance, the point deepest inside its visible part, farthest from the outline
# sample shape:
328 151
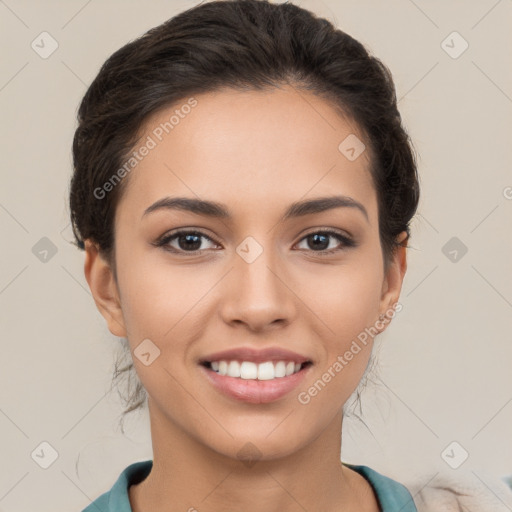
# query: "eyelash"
164 241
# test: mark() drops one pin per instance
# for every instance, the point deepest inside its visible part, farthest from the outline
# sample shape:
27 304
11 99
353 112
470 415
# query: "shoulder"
116 499
470 490
390 494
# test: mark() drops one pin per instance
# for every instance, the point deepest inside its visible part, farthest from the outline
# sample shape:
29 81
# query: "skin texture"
256 152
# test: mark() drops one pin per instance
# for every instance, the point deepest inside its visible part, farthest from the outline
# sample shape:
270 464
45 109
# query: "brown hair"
245 45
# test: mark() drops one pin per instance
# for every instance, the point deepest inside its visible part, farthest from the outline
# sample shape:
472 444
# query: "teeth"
233 369
280 369
248 370
223 367
266 371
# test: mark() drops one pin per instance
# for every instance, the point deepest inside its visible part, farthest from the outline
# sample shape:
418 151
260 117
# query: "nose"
258 293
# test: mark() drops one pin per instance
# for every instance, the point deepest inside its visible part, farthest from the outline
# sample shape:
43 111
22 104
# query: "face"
265 287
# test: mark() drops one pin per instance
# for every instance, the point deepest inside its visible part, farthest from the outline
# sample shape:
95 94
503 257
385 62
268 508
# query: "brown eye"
322 241
186 241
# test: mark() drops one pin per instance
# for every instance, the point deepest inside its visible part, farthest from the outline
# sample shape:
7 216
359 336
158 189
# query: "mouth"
255 377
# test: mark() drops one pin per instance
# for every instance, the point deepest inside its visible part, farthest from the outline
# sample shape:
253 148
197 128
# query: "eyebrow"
219 210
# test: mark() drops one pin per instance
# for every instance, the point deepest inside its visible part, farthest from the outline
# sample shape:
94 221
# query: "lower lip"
252 390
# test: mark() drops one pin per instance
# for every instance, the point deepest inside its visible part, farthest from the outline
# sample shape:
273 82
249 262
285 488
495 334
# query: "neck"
189 476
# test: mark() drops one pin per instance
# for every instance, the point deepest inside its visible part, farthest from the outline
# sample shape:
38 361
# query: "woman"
243 188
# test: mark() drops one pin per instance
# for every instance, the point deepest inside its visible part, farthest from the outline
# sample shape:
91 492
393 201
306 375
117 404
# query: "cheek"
156 297
348 301
349 305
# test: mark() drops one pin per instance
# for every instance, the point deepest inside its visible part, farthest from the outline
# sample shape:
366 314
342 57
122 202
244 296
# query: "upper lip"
256 355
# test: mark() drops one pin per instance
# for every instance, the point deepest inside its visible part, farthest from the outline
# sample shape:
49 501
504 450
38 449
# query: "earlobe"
394 277
100 277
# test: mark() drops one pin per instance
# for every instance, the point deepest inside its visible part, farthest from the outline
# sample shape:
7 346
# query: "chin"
250 449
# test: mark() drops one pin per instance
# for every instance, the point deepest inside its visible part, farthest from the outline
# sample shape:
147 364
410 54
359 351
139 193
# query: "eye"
320 241
191 241
186 241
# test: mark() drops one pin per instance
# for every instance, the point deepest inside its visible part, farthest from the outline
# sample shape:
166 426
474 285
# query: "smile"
267 370
254 383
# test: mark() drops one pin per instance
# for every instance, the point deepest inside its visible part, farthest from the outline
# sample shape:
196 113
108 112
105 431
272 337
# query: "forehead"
248 149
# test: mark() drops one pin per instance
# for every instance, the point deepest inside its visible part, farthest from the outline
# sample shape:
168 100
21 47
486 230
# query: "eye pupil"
188 238
316 237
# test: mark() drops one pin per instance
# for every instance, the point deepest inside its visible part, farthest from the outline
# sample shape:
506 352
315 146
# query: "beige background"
445 362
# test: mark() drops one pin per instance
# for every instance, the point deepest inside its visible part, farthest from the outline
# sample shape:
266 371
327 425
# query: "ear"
393 279
102 283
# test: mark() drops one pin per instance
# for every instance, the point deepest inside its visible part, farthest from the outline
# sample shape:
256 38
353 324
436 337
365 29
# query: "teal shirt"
392 496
